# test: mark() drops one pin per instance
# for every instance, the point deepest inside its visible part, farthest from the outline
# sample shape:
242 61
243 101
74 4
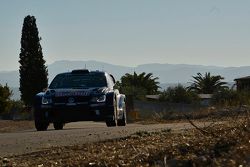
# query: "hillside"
167 73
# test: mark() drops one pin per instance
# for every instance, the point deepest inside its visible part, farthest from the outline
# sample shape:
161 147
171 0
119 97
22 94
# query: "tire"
123 121
112 120
58 125
41 123
111 123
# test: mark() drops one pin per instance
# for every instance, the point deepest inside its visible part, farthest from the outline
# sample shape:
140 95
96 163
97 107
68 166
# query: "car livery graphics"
80 95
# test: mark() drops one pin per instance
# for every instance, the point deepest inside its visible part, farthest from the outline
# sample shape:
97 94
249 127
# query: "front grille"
78 99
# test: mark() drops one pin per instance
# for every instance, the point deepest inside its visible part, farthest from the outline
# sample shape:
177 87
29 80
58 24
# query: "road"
74 134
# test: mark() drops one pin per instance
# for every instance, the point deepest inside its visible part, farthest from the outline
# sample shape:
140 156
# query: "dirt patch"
15 126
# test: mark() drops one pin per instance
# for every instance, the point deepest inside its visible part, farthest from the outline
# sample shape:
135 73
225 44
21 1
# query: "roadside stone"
6 160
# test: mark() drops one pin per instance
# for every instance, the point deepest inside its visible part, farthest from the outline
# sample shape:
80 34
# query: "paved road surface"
73 134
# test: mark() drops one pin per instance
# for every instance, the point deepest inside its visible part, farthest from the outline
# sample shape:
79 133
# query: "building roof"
243 78
153 97
205 96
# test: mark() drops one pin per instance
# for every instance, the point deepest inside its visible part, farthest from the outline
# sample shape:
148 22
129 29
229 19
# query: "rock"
6 160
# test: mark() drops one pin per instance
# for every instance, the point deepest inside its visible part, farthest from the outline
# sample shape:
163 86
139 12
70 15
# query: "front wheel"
110 123
112 120
58 125
41 125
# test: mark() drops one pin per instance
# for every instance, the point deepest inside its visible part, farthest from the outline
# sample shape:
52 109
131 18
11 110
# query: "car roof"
98 72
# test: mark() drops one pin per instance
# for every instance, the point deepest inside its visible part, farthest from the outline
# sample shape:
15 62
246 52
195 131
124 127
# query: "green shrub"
179 94
17 106
138 85
229 97
5 94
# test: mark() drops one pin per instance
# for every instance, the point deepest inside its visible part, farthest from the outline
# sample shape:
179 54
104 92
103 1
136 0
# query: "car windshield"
78 81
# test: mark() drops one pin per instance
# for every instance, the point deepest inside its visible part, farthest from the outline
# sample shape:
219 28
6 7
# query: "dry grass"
14 126
203 114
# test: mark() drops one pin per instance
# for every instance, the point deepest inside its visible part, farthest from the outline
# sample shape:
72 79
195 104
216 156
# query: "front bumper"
76 112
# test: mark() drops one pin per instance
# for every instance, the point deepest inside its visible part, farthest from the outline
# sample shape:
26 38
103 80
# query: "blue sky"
131 32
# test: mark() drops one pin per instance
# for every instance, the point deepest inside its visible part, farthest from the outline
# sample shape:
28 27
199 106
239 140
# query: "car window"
83 81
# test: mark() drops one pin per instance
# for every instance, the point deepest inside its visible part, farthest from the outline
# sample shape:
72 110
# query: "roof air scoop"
80 71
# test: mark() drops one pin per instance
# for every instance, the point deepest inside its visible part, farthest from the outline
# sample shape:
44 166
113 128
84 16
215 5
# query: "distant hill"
9 77
65 66
15 93
168 73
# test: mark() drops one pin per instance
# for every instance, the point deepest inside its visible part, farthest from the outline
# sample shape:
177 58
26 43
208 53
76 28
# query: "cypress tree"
33 72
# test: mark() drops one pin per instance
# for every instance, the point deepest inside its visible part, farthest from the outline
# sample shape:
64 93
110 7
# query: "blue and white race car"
80 95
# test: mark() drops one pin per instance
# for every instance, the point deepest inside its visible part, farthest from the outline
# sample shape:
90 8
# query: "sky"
131 32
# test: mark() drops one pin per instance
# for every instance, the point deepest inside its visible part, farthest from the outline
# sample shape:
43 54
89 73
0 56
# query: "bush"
17 106
5 94
179 94
138 93
229 97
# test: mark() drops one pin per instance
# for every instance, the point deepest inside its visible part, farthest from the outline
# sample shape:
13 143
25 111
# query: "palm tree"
207 84
138 84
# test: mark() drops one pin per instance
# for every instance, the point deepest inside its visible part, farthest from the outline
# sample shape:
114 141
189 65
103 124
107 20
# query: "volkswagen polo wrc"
80 95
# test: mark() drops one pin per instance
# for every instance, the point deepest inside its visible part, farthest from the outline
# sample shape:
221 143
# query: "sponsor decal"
72 93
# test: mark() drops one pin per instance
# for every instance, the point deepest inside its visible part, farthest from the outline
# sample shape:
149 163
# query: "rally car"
80 95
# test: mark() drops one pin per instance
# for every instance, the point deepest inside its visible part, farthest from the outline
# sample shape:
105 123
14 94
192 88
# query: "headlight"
99 99
46 100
